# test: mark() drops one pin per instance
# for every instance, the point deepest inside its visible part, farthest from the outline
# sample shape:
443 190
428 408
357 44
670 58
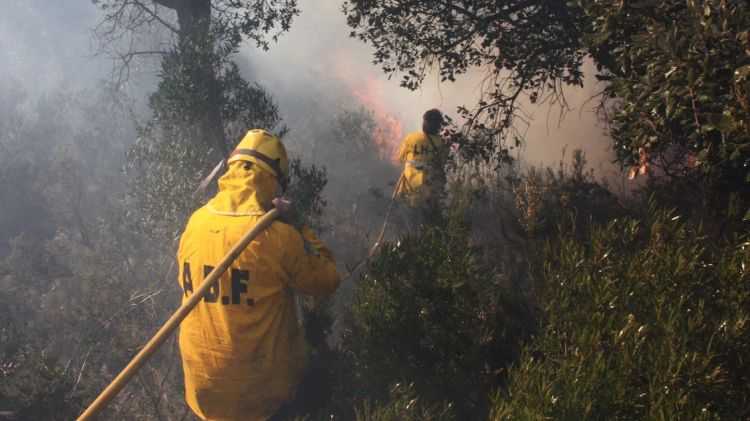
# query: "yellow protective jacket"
243 351
423 161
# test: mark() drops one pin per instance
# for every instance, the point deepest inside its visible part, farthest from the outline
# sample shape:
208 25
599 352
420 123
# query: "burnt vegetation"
542 293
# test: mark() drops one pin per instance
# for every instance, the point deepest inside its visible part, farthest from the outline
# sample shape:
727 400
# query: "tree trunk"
194 18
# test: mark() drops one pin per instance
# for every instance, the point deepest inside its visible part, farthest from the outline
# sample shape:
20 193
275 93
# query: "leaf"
741 73
633 173
722 122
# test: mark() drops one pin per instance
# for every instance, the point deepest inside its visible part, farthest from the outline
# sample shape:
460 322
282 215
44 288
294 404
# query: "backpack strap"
434 147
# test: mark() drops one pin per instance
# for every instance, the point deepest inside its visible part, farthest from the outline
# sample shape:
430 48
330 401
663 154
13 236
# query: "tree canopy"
676 73
523 47
195 40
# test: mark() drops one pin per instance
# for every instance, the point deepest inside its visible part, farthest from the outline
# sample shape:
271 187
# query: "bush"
641 320
403 405
32 384
430 314
569 196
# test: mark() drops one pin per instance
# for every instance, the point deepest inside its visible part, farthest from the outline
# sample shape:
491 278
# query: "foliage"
403 405
171 156
251 19
305 190
430 314
75 264
677 73
570 197
202 104
202 89
133 31
524 47
48 159
641 319
32 385
360 183
682 89
356 158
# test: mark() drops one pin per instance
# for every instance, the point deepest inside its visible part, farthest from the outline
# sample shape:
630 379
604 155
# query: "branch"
141 53
500 14
169 4
155 16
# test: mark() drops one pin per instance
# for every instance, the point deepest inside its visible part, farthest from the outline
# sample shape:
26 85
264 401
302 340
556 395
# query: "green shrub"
429 313
641 320
570 196
403 405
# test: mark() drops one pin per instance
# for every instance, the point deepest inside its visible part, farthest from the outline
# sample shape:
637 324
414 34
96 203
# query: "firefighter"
423 154
243 351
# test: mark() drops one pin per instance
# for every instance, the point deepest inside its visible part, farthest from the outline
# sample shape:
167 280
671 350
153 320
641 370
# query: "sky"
47 44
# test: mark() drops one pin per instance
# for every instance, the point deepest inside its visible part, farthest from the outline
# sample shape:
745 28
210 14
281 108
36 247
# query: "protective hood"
245 189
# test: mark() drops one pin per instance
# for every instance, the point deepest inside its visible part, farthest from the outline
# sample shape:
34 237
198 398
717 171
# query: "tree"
528 47
202 104
66 249
677 73
682 95
206 31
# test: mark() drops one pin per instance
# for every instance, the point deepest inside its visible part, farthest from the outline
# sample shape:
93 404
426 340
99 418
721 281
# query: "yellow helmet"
265 150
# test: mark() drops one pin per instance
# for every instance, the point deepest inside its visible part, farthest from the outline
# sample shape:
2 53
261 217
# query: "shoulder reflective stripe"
255 154
226 213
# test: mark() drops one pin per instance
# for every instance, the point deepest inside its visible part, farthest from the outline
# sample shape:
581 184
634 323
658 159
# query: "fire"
368 91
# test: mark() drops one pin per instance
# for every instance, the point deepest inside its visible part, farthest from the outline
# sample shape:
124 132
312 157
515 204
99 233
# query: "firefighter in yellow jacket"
423 154
243 351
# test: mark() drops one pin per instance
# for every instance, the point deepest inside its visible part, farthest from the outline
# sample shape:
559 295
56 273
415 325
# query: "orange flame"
369 92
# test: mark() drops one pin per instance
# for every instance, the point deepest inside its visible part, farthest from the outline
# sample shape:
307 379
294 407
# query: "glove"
287 212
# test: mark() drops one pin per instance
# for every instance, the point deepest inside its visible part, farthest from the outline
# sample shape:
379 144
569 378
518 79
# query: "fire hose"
376 244
166 330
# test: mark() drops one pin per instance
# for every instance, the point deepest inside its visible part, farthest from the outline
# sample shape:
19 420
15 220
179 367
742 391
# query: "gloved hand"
287 212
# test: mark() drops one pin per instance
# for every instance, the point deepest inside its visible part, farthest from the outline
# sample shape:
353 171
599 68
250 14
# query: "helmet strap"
270 162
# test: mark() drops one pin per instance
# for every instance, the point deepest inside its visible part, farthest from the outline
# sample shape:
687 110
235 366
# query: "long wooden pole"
158 339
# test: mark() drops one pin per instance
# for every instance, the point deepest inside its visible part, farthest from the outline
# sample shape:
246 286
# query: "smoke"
318 52
47 44
318 76
317 73
369 93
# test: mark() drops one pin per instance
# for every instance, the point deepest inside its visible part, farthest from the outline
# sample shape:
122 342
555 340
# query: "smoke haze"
47 44
318 50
